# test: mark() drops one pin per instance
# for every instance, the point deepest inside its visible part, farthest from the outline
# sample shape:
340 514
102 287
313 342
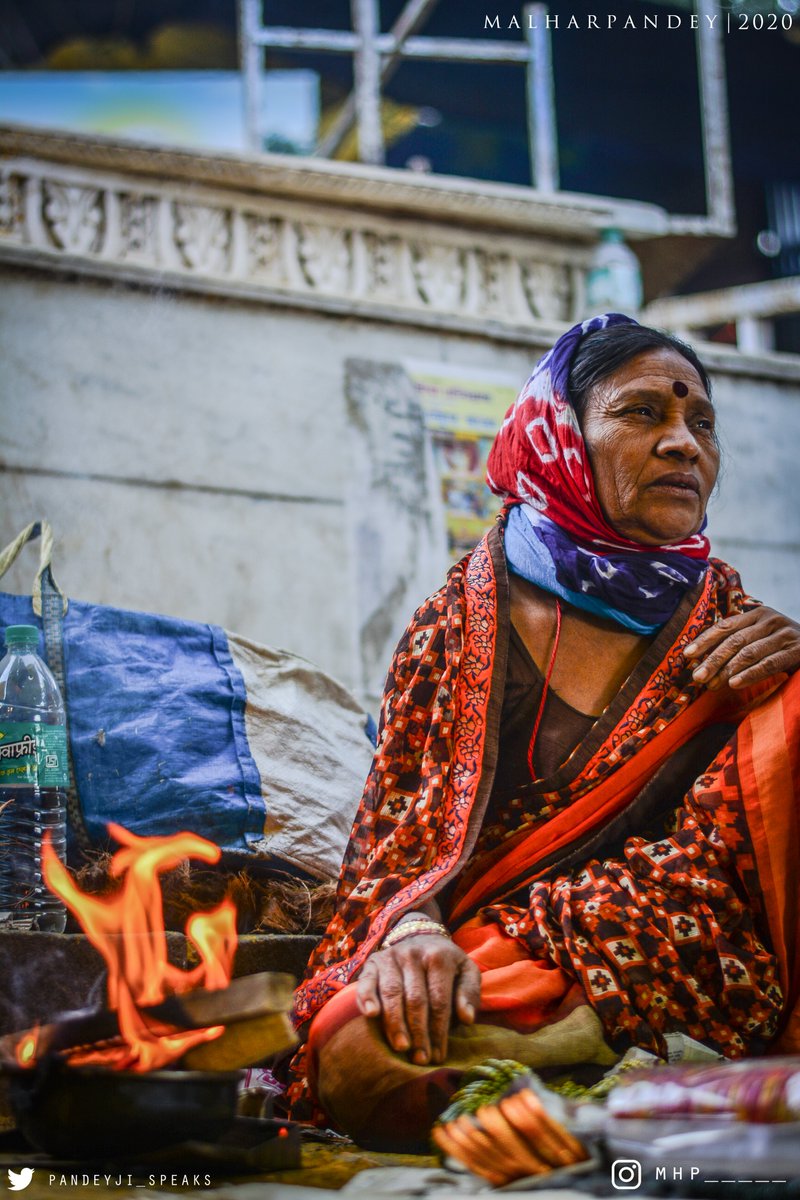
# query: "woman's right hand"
416 986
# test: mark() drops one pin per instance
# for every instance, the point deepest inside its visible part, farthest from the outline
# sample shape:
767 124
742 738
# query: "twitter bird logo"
19 1180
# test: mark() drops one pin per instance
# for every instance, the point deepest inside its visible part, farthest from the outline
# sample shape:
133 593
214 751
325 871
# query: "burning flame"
26 1048
128 930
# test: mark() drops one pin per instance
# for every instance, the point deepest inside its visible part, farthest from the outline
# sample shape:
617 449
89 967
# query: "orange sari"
599 917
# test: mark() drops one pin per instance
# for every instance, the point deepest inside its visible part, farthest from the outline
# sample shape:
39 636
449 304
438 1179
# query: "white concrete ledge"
518 209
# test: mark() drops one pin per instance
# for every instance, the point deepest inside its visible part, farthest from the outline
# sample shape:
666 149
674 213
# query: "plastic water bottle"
614 279
33 777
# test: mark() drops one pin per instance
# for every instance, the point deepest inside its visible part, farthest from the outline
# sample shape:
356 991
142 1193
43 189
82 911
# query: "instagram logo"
626 1174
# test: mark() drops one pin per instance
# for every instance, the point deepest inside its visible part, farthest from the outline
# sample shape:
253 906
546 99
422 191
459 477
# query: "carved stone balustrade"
374 242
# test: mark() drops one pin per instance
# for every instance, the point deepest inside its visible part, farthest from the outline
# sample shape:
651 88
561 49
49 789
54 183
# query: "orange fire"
128 930
26 1048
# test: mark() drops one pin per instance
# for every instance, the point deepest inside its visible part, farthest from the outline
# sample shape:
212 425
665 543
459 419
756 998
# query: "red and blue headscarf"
556 533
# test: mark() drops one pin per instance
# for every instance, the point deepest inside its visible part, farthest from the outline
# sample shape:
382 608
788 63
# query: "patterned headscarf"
556 534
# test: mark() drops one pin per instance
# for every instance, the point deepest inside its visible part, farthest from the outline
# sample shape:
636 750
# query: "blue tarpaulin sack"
178 725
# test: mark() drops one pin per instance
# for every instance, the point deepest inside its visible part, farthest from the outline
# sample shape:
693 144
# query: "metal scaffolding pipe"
461 50
250 59
367 77
281 37
409 20
335 41
720 202
542 135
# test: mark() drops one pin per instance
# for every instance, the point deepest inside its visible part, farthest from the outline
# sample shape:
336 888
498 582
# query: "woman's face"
649 432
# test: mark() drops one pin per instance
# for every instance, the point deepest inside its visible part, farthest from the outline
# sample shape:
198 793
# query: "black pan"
92 1112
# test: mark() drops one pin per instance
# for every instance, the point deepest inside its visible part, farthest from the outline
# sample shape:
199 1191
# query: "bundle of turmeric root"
509 1139
503 1125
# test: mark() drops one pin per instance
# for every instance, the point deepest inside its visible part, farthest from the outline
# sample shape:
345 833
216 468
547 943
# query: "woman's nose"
677 440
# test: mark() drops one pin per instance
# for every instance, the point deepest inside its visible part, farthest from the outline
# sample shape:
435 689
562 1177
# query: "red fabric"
769 771
515 860
674 929
442 694
412 824
659 937
423 803
516 990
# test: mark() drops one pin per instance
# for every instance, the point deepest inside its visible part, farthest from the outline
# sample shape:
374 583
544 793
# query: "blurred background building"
252 379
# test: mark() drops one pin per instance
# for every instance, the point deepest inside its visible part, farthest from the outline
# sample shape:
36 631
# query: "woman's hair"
602 352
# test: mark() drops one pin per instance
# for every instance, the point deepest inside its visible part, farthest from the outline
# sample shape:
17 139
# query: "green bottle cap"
22 635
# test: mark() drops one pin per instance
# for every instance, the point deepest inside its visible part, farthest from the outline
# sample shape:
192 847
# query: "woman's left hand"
745 649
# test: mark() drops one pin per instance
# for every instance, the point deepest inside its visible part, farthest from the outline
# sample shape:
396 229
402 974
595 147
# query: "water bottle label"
32 753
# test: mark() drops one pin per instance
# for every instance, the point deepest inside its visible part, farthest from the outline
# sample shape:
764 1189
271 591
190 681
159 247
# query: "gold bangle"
407 929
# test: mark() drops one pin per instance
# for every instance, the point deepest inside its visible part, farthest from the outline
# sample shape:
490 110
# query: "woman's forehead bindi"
680 388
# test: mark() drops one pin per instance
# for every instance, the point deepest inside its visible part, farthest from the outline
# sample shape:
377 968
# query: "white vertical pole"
754 336
250 57
720 202
542 136
367 72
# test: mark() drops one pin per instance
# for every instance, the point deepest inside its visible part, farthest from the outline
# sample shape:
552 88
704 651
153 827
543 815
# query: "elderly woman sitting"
580 831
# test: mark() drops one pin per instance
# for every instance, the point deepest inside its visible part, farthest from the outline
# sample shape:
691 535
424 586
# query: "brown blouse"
561 730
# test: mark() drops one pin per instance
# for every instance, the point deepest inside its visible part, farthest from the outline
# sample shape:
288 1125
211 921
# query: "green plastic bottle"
33 779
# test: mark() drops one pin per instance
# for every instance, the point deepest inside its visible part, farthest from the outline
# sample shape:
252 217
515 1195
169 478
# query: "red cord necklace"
540 713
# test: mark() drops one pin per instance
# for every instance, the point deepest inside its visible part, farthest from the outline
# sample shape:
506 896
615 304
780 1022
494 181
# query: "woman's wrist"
414 925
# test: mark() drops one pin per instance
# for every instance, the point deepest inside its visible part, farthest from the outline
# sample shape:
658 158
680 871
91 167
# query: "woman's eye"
644 410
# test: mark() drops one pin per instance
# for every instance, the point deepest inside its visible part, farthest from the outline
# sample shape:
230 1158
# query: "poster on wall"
463 410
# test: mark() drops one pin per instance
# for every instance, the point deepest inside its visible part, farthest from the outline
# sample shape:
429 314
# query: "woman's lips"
678 483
